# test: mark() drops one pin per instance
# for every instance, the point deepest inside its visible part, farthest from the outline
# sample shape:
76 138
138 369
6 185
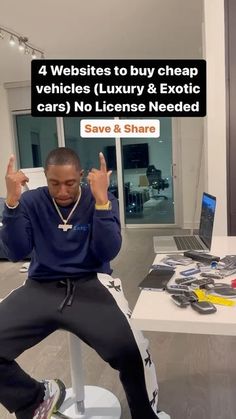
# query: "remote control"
181 300
201 283
192 297
190 272
162 267
176 289
201 257
214 275
185 281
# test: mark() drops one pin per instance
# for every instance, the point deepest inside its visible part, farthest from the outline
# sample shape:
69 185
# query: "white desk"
154 310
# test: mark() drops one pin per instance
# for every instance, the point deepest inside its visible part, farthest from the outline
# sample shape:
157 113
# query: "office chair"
156 181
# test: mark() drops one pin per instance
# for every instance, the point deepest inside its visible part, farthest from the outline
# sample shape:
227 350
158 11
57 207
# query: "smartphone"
203 307
156 280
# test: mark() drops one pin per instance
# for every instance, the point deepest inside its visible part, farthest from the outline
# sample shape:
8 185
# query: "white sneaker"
55 392
163 415
25 267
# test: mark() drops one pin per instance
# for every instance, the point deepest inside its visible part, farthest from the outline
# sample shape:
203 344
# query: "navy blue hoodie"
89 246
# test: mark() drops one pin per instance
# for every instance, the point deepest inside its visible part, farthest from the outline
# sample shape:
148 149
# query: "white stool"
87 402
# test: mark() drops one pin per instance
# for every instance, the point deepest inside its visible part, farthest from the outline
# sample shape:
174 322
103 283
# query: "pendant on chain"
65 227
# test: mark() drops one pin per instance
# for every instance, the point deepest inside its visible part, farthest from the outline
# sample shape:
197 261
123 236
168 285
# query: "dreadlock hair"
62 156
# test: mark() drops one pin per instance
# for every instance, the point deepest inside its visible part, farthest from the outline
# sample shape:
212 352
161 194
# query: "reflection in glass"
35 138
147 178
88 150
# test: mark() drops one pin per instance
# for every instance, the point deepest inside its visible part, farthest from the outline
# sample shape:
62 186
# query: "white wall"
215 127
19 95
192 172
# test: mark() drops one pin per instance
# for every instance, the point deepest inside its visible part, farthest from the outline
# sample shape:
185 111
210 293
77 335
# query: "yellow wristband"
106 206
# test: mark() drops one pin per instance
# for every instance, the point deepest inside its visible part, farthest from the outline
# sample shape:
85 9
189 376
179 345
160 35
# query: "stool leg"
99 402
77 375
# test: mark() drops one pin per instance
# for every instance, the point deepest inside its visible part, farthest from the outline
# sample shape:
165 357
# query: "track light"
12 40
21 46
27 50
23 43
33 55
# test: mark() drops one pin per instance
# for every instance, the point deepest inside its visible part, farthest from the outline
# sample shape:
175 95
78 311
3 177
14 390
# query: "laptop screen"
207 218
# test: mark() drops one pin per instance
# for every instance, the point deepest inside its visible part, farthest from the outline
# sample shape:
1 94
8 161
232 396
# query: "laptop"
201 242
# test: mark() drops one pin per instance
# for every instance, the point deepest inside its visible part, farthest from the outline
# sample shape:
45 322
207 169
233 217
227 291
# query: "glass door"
88 150
147 178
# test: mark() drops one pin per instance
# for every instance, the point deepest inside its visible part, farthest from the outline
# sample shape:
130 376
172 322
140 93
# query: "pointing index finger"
103 165
10 166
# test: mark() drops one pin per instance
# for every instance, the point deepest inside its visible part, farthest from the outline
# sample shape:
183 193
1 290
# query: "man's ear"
82 173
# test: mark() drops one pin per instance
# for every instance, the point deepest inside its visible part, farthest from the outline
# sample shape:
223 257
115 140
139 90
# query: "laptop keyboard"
188 243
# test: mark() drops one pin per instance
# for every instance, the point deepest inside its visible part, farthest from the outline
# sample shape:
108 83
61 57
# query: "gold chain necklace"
66 226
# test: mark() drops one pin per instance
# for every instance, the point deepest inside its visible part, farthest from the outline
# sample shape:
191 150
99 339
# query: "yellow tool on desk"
202 296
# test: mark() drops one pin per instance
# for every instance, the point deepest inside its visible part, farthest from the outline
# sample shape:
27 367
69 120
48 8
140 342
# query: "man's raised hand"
99 181
14 181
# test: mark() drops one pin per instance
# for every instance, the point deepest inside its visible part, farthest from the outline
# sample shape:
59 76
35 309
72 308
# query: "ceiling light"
33 55
27 50
24 44
21 45
12 41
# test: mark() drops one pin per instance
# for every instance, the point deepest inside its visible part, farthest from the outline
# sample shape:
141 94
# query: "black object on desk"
201 257
156 280
203 307
181 300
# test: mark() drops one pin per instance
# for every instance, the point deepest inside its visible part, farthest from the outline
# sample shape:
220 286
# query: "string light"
23 43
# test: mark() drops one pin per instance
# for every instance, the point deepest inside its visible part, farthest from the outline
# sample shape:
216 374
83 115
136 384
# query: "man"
73 232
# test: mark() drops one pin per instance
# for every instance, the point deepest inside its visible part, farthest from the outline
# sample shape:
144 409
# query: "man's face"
63 183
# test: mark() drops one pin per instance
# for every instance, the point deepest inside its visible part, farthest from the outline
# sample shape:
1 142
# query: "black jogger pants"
94 309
